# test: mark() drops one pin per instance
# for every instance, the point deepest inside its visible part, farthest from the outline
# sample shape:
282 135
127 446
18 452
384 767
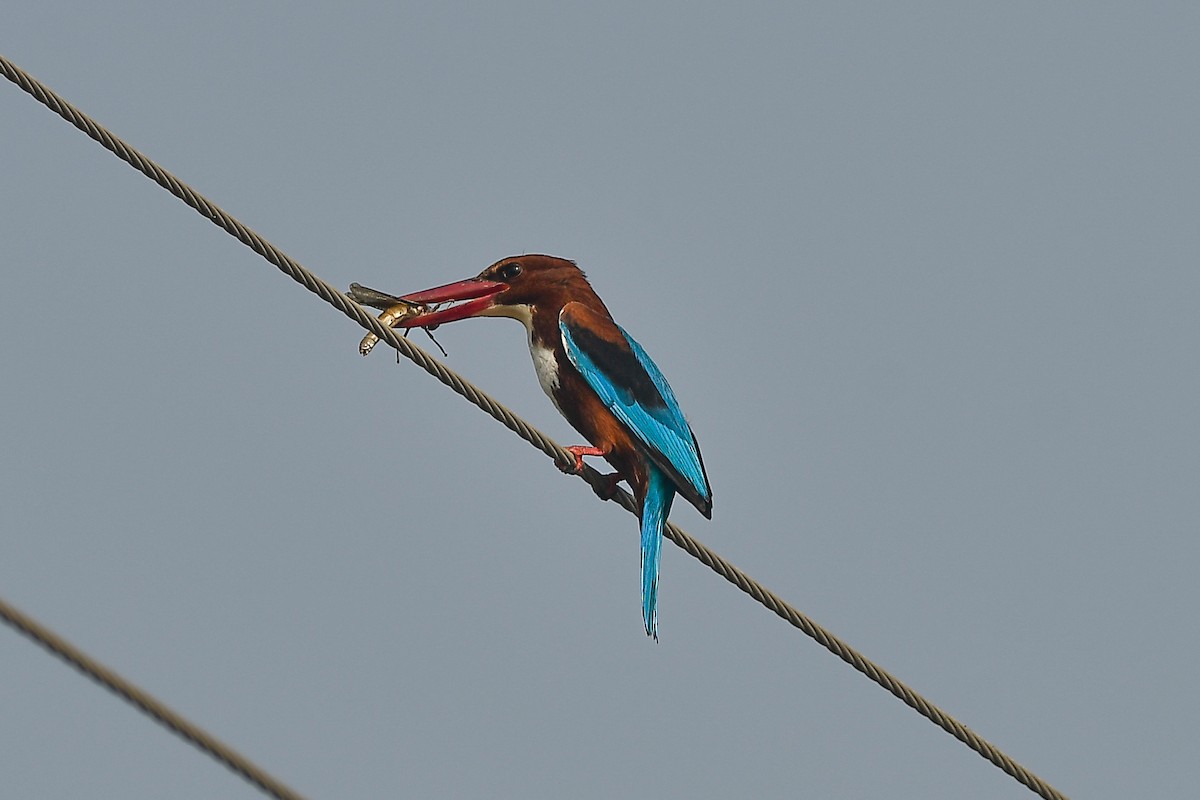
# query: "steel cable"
147 703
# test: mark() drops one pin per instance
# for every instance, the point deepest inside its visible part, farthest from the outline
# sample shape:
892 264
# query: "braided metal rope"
149 704
523 429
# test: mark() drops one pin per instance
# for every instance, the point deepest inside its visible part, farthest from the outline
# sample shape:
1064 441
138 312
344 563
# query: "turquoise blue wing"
633 388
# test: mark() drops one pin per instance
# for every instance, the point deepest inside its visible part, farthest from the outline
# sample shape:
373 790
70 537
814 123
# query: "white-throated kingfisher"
600 379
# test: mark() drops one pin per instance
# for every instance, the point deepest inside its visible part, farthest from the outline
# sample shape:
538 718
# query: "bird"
599 378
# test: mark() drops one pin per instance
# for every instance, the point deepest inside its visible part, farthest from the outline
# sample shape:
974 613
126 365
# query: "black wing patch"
621 367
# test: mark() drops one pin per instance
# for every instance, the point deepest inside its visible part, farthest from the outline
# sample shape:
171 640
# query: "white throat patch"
522 313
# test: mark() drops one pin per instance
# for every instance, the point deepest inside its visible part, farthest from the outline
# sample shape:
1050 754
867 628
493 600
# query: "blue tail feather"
655 510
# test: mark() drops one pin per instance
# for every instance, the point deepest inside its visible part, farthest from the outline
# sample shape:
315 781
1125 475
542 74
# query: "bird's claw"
606 488
579 451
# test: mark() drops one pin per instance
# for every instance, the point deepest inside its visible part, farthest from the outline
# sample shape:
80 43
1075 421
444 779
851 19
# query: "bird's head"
512 287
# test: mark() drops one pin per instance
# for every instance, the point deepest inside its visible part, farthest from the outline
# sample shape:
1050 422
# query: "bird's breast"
546 366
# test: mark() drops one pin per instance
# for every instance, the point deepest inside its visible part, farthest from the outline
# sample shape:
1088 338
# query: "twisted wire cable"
523 429
147 703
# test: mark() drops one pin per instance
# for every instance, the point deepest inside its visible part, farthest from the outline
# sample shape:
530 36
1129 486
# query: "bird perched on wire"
599 378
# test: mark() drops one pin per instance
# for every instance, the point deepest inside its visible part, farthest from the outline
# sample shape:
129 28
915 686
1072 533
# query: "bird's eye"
510 270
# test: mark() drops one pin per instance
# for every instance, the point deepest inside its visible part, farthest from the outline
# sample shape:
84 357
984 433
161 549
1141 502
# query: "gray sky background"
924 279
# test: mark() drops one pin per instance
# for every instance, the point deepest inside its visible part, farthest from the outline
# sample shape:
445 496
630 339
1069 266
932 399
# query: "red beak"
480 293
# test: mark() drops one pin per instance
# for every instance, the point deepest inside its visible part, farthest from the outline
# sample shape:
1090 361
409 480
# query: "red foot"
579 451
